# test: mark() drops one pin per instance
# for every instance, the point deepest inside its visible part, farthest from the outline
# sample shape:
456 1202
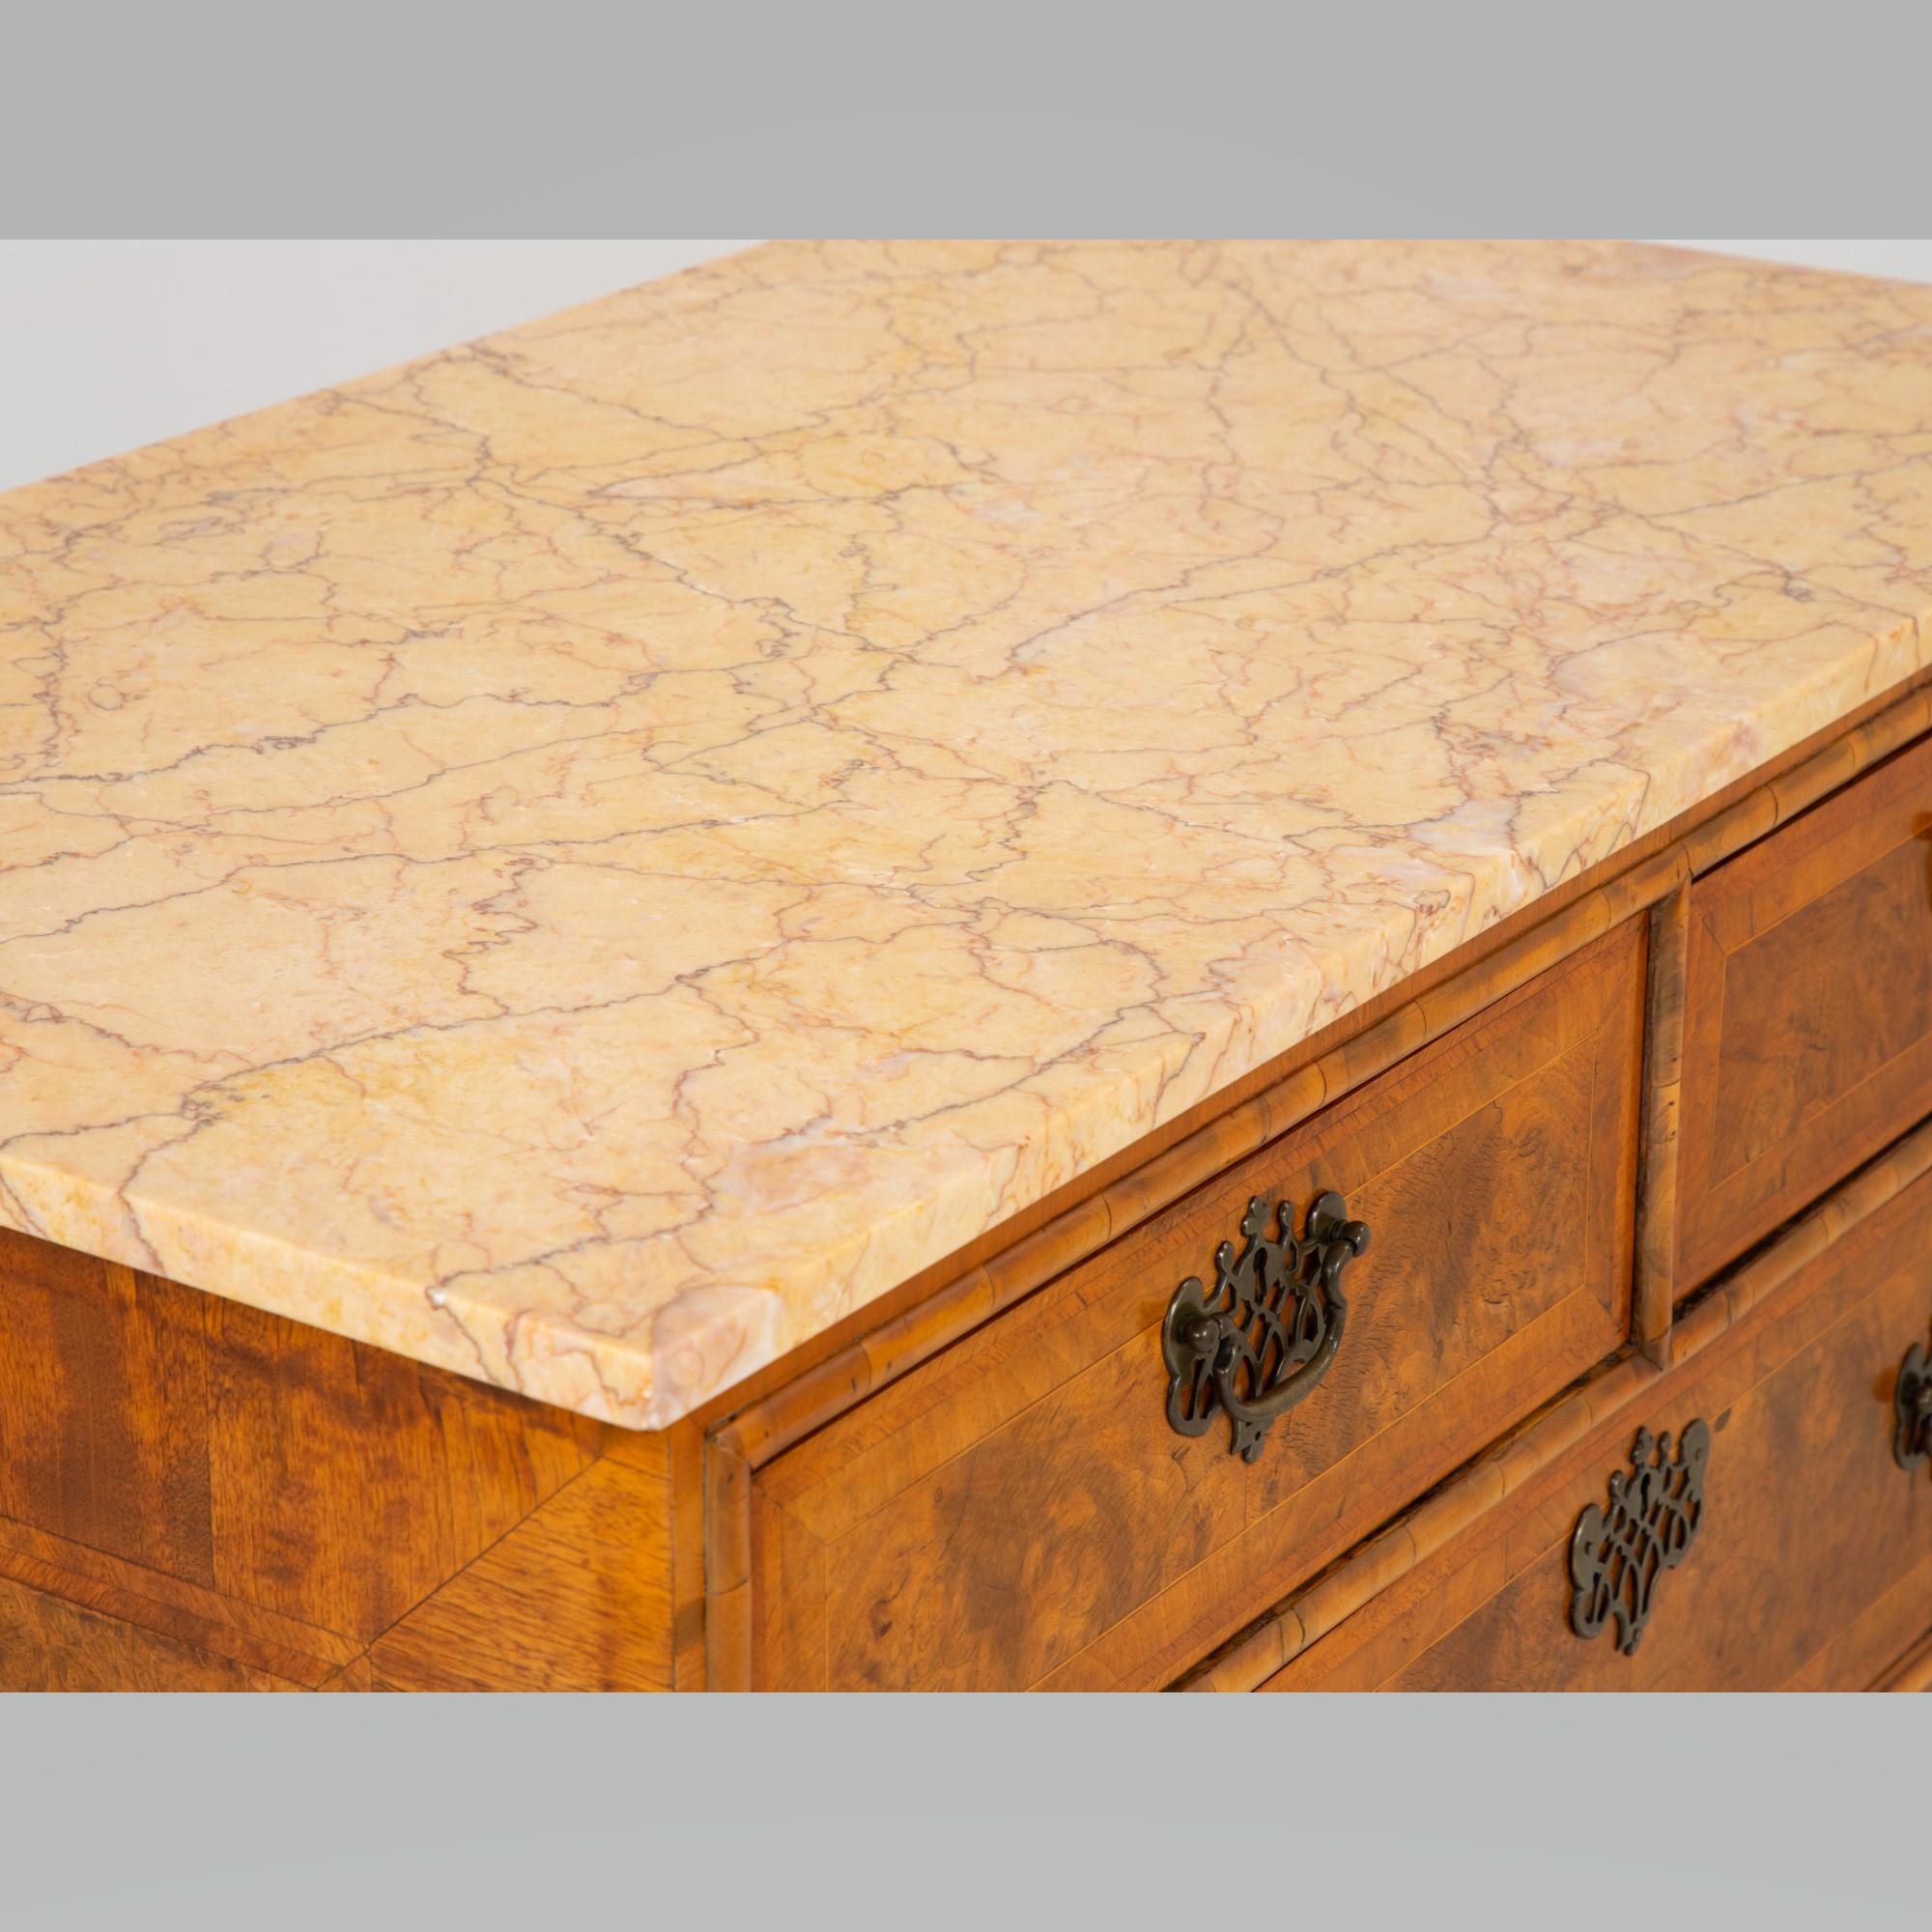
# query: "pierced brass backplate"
1617 1554
1263 1336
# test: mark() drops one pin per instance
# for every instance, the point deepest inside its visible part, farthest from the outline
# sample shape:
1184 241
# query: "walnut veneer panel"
1813 1565
1017 1511
577 1596
247 1456
49 1642
1808 1041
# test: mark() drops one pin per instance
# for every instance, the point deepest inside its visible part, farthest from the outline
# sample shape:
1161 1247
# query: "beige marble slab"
586 858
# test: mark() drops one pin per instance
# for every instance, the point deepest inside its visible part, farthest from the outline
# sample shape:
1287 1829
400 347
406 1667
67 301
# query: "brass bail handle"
1261 1339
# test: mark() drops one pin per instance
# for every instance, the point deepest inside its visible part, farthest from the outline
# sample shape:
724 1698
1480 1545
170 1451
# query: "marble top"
588 856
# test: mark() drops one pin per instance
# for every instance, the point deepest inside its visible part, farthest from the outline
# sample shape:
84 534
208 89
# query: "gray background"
107 344
1223 1814
1028 117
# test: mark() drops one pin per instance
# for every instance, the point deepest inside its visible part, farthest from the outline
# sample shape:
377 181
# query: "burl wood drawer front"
1807 1038
1812 1565
1019 1512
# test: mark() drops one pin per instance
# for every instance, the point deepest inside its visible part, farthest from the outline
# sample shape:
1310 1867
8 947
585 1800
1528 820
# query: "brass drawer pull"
1258 1342
1912 1407
1617 1554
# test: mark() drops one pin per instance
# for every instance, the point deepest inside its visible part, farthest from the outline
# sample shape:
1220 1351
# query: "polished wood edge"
1913 1671
727 1563
1355 1579
689 1515
1653 1296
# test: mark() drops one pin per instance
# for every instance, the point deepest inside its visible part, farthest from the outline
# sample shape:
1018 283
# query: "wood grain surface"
1813 1565
1808 1028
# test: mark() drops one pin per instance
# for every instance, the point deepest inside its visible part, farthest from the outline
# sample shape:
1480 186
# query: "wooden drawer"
1808 1031
1018 1511
1811 1567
